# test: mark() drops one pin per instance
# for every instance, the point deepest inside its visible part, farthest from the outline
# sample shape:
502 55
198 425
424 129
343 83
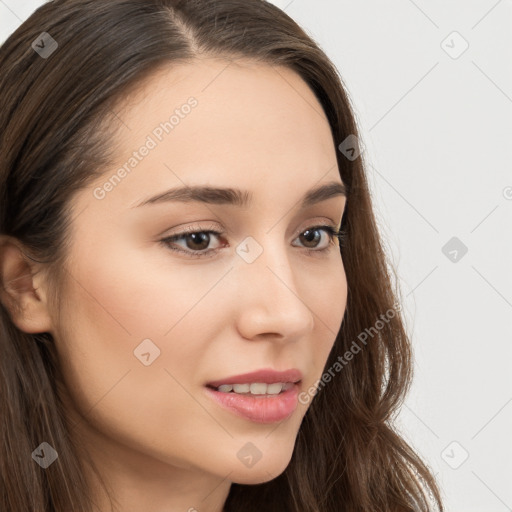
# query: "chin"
262 471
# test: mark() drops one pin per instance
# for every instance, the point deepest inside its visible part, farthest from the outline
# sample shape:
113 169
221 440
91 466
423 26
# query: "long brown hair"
55 135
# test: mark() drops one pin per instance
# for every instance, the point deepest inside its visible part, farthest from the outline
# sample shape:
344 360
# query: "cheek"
131 293
328 308
116 311
332 300
119 309
109 311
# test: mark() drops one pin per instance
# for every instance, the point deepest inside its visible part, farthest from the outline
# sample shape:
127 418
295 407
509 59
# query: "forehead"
224 123
258 98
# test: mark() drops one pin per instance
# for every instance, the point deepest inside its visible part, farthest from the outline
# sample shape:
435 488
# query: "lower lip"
258 408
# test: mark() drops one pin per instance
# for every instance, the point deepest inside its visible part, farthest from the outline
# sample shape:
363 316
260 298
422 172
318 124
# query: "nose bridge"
271 297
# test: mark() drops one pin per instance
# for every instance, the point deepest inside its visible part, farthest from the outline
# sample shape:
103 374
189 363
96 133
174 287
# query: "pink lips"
268 376
259 408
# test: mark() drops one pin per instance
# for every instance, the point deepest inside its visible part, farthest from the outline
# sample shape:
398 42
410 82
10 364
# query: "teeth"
241 388
274 389
256 388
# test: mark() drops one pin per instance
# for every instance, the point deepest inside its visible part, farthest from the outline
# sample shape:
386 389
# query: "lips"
255 395
265 376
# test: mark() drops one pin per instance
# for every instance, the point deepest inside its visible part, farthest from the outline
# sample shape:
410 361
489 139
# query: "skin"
159 442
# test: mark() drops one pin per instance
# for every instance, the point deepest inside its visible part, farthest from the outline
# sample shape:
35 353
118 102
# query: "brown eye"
311 236
198 241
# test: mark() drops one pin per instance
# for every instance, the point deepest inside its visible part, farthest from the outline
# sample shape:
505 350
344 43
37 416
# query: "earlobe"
22 289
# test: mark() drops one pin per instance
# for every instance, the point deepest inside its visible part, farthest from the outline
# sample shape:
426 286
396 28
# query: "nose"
271 300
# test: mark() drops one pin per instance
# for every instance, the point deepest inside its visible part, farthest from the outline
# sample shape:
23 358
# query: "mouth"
255 388
264 396
258 378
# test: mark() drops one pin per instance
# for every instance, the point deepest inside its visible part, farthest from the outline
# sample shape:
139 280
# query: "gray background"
437 131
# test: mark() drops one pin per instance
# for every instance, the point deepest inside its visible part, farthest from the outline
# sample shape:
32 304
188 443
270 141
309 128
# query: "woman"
196 307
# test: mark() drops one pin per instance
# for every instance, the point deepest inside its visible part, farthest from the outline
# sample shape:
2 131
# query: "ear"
22 288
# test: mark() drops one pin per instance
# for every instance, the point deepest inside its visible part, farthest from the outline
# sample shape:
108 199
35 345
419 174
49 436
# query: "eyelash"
330 230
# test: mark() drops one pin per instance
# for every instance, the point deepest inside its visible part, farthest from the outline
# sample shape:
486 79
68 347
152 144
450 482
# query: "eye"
197 242
314 234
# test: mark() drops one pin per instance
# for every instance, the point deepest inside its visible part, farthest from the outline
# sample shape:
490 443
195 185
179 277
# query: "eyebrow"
241 198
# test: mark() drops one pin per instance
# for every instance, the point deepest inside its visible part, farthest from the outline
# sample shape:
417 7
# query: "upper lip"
265 375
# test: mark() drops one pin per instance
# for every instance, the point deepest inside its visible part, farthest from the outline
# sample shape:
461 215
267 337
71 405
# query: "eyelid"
194 228
317 224
198 227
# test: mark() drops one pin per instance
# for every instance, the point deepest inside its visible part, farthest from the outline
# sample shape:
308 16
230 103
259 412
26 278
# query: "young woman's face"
146 326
